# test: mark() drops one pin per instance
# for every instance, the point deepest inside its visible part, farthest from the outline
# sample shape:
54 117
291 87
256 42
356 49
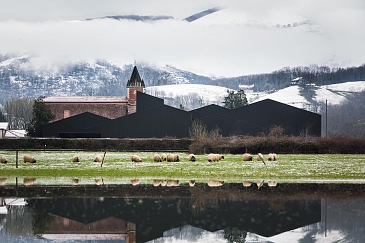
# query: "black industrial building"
155 119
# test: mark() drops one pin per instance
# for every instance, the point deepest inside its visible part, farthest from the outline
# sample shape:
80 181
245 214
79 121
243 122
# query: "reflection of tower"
131 233
135 83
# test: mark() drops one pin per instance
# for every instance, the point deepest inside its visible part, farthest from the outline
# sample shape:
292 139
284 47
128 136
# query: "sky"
242 38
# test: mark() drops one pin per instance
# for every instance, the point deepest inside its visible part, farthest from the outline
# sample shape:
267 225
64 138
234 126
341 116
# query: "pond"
179 211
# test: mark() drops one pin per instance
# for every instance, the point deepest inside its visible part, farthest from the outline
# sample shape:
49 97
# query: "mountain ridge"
20 78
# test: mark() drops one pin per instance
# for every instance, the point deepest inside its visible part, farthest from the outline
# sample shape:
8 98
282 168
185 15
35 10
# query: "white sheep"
75 158
215 157
163 157
156 182
246 183
215 183
157 158
260 157
3 159
163 182
272 183
29 159
75 181
260 184
172 183
3 181
247 157
192 157
192 183
28 181
98 159
98 181
173 158
272 157
136 158
135 182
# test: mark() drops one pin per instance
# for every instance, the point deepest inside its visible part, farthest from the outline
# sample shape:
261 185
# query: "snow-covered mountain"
21 77
311 98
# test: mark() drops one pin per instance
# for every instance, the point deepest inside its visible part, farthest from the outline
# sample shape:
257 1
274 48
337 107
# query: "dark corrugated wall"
156 120
146 102
163 121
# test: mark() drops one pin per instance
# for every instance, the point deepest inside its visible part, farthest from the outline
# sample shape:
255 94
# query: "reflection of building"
104 229
154 216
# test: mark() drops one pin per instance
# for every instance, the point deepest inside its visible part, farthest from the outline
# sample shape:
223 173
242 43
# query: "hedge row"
96 144
283 145
224 145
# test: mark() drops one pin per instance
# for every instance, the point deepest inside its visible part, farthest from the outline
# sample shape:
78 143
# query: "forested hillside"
283 78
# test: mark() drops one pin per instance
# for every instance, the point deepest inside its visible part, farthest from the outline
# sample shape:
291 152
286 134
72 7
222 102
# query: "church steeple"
135 80
134 84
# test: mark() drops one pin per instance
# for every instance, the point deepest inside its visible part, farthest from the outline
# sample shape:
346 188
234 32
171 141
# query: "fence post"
16 159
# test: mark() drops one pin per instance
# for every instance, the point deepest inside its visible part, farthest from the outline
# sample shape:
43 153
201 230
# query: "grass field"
57 168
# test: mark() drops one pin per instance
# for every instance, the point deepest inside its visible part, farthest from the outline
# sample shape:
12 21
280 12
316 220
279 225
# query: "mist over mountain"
135 17
20 76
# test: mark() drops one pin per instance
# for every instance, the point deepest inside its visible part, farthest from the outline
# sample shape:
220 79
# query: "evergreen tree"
235 99
41 115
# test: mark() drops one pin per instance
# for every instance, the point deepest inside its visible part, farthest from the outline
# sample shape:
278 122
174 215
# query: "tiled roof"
86 99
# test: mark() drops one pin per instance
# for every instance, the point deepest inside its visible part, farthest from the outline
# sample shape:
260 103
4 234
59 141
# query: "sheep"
136 158
98 159
272 157
163 182
172 183
215 183
192 183
75 181
192 157
246 183
260 157
157 158
135 182
272 183
3 181
259 184
98 181
215 157
75 158
173 158
247 157
163 157
3 159
156 182
29 159
28 181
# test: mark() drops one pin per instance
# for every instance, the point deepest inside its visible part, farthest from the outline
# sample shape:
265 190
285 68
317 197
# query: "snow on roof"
4 125
15 134
86 99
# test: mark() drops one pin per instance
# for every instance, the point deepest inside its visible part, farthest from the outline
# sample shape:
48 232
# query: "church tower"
135 83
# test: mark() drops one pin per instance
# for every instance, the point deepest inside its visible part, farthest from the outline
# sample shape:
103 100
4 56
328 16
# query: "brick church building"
107 106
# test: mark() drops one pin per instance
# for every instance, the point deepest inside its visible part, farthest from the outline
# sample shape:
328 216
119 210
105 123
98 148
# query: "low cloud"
246 44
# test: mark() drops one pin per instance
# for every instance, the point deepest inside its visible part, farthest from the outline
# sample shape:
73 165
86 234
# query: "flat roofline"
86 99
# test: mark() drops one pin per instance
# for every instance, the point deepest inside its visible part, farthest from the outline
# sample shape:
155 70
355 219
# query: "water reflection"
204 212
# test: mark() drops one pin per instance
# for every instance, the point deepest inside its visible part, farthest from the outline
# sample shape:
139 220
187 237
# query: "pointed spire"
135 80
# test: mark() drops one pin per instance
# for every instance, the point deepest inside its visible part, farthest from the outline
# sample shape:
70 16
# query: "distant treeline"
319 75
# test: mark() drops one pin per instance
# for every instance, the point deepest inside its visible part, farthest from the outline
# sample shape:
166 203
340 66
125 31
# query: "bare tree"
19 112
